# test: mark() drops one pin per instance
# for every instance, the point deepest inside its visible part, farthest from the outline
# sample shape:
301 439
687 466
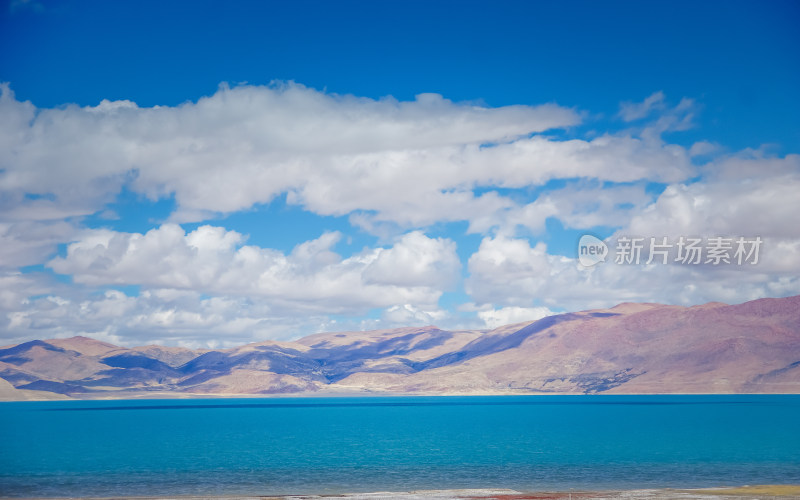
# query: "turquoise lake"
336 445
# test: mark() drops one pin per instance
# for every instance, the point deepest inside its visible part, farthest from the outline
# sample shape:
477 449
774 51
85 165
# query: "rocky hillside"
632 348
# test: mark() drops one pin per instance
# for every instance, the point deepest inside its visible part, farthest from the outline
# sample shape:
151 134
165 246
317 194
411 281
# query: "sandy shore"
765 492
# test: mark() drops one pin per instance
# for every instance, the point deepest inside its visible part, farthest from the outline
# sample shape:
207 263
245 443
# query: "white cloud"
239 147
408 315
16 287
734 202
173 317
630 111
666 118
702 148
312 277
507 271
512 314
26 243
730 201
577 206
411 164
528 275
415 260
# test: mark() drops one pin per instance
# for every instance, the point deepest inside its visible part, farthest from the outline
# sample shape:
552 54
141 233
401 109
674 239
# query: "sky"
207 173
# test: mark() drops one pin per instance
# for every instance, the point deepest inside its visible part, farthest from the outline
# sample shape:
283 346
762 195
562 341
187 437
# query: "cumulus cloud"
207 288
312 277
730 202
529 275
758 206
508 271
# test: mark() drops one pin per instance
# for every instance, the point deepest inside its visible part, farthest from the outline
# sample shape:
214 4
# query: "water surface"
335 445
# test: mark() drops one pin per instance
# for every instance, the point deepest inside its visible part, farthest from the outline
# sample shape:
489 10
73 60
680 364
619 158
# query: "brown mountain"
632 348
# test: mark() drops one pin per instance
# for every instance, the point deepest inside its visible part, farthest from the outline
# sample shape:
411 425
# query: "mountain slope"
632 348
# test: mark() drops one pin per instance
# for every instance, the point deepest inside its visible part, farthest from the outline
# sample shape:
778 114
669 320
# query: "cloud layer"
246 145
399 171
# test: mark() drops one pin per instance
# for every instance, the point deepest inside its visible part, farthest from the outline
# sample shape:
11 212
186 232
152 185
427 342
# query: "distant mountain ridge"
632 348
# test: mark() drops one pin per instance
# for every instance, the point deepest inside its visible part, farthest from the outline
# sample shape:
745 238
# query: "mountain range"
632 348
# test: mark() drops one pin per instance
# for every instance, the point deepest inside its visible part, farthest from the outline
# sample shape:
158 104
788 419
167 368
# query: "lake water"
335 445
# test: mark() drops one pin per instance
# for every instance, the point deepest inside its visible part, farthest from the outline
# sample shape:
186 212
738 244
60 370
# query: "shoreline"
155 396
765 492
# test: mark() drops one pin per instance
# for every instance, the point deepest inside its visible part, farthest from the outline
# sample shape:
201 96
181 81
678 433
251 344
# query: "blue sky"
207 173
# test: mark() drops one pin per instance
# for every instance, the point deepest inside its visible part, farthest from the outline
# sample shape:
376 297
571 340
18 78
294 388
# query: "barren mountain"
632 348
